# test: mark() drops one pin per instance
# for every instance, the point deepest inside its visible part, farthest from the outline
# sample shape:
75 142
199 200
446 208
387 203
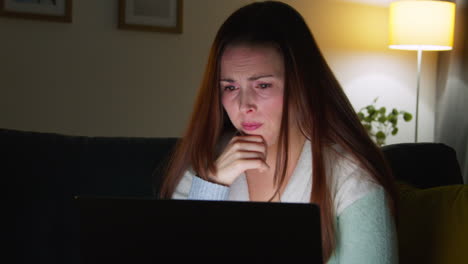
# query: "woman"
271 123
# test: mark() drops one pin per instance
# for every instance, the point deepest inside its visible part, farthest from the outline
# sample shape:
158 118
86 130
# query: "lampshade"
421 25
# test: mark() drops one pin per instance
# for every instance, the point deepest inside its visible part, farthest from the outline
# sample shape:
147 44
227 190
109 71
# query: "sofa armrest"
424 165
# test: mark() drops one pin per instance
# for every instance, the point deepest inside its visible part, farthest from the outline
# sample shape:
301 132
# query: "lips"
250 126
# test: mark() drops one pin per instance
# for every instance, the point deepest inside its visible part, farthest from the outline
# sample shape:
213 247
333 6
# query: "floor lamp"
421 25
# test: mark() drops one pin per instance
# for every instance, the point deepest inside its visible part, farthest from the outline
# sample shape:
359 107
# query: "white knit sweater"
348 181
365 230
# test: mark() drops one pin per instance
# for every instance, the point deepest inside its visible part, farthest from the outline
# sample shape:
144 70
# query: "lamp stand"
417 95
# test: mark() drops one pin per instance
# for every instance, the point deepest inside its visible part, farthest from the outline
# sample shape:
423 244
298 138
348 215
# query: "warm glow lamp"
421 25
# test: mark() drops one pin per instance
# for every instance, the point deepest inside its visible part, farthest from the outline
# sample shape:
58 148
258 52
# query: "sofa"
44 171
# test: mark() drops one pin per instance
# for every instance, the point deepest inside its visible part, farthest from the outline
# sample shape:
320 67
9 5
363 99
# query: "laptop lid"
148 230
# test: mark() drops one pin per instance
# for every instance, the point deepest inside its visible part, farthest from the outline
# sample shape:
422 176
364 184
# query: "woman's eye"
264 85
229 88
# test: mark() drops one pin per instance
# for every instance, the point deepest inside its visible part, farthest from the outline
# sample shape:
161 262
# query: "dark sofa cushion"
432 224
44 171
424 165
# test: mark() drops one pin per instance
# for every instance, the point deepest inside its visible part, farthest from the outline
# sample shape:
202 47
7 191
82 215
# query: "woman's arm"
366 232
205 190
241 153
192 187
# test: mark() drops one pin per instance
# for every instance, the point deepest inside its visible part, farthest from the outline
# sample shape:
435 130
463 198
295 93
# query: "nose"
247 102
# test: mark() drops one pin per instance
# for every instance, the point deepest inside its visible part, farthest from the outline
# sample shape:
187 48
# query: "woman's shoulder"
349 180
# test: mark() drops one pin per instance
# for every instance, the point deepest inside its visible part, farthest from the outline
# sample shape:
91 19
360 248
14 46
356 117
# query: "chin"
254 133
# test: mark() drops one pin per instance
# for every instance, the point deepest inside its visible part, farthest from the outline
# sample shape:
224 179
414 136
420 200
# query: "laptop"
136 230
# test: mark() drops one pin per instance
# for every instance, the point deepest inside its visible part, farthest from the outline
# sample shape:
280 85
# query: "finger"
231 157
254 138
249 164
241 154
248 146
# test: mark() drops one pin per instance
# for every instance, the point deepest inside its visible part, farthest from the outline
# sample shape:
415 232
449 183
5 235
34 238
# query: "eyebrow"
253 78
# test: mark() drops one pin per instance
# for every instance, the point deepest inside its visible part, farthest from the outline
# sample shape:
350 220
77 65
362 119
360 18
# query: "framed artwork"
51 10
151 15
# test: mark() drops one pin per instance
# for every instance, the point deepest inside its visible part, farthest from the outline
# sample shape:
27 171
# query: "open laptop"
117 230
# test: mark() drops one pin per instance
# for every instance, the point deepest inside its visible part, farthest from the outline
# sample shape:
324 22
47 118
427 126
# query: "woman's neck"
261 185
296 144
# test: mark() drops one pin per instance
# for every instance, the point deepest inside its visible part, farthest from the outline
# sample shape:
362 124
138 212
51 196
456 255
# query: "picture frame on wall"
151 15
48 10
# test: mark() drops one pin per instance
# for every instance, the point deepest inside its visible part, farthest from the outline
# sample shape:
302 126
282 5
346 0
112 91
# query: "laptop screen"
146 230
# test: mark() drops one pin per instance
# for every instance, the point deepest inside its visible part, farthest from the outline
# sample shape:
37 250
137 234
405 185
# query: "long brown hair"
313 99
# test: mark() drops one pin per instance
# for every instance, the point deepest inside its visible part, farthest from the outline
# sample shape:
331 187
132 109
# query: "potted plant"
380 124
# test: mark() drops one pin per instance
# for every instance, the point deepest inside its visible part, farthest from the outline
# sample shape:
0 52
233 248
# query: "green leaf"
380 142
360 116
395 131
395 111
382 110
380 135
368 127
370 109
407 116
391 117
382 119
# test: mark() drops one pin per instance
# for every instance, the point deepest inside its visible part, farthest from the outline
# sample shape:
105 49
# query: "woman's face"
252 88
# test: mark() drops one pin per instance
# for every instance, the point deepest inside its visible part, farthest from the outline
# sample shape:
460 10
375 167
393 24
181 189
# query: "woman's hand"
241 153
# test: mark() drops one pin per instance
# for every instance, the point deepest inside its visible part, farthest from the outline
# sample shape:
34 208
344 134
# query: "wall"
452 91
89 78
353 35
